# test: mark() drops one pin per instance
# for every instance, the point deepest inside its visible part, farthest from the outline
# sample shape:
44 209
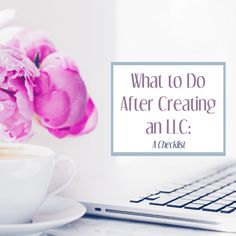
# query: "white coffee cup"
26 172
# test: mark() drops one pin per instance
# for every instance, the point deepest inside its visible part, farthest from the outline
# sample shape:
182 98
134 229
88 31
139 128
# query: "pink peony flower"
61 99
17 78
32 43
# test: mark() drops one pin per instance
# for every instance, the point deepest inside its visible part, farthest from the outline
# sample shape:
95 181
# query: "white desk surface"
92 226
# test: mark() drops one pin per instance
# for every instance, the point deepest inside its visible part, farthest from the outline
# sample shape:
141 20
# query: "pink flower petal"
53 108
32 43
7 106
89 121
24 104
84 126
16 94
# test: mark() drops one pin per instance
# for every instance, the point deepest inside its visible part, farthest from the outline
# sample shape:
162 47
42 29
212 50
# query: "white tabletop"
93 226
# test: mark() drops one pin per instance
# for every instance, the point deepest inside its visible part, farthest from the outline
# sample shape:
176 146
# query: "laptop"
206 200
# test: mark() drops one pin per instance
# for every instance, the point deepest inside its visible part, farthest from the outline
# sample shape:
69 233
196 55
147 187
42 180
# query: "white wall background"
96 32
182 30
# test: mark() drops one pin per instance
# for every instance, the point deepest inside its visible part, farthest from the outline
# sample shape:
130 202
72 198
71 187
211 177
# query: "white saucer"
55 212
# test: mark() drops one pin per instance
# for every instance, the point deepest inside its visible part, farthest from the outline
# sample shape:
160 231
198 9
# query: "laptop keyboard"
215 192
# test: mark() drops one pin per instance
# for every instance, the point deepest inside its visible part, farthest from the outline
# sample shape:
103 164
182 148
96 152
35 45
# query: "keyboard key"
170 188
227 210
195 195
197 185
217 195
229 189
208 181
193 206
174 194
179 203
233 194
190 197
233 186
152 197
202 202
223 202
209 198
233 205
229 198
211 187
147 193
137 200
213 207
163 200
228 180
183 191
224 191
201 192
206 190
219 184
192 187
